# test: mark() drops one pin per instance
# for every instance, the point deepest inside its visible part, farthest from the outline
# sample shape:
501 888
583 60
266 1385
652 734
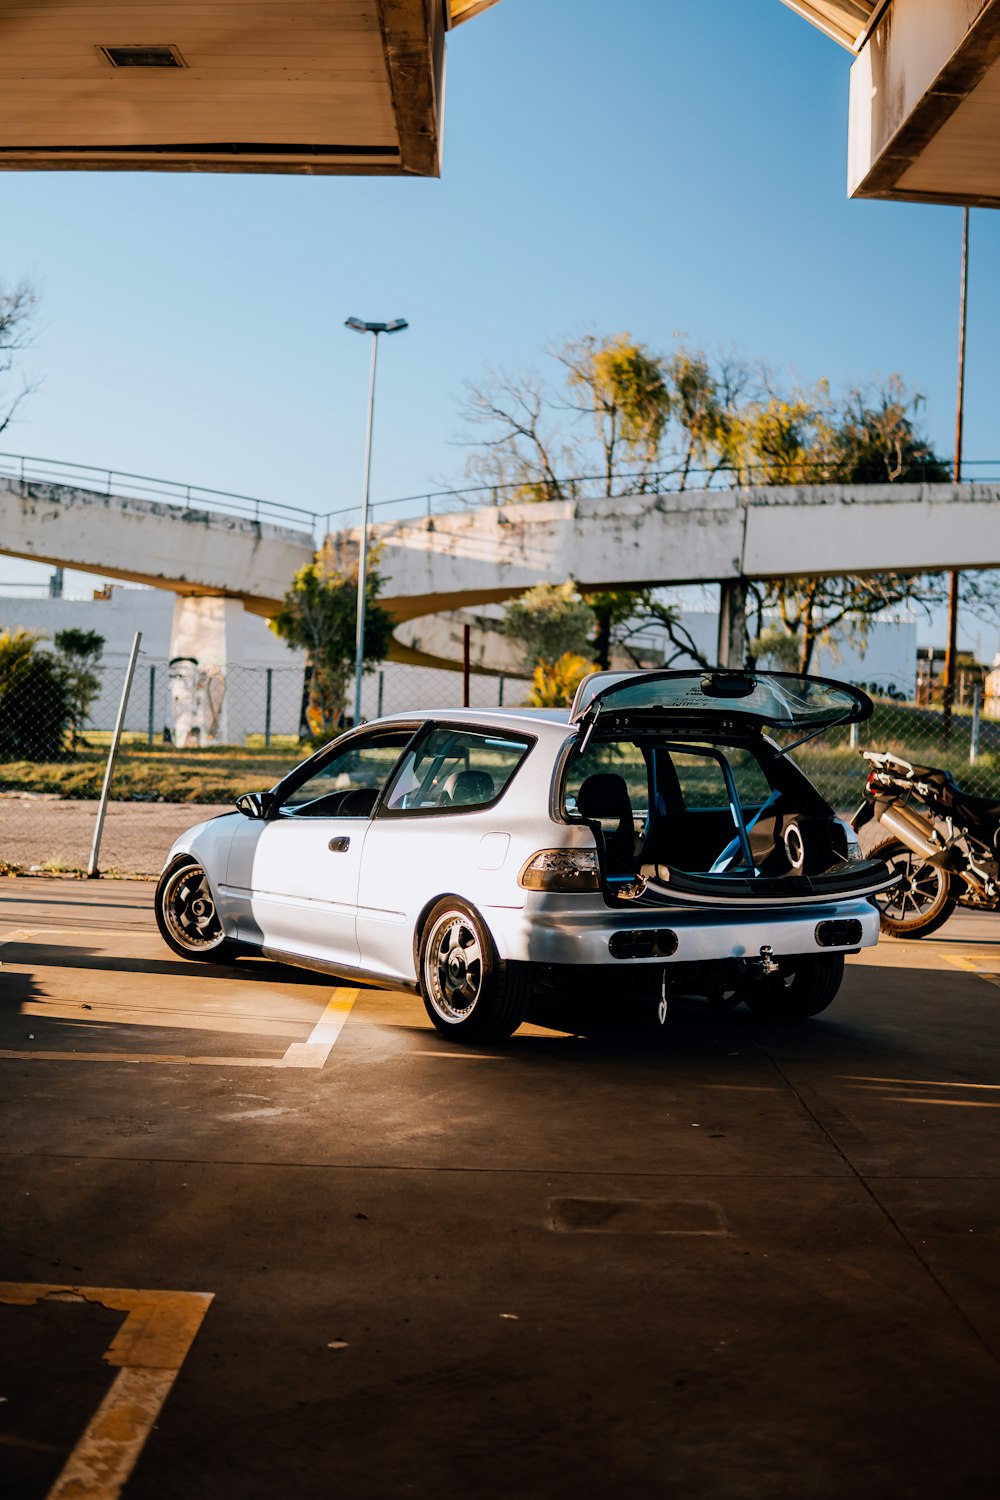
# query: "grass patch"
156 773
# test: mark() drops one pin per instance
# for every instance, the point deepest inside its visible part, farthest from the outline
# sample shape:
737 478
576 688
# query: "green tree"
548 621
554 684
624 420
603 425
35 703
870 437
320 616
79 652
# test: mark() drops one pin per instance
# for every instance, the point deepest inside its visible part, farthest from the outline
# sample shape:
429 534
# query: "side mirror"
252 804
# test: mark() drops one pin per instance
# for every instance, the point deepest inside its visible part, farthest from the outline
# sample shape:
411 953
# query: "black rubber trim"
339 971
868 878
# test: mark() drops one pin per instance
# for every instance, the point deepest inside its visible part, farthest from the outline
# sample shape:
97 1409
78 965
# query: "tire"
806 987
468 993
926 900
187 917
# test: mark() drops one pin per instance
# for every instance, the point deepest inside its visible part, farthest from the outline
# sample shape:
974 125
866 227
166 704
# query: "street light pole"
396 326
951 655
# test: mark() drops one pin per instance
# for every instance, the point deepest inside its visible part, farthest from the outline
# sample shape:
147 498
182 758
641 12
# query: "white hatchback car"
653 838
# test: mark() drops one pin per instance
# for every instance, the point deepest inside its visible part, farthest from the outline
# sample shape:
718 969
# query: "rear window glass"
618 758
703 785
455 768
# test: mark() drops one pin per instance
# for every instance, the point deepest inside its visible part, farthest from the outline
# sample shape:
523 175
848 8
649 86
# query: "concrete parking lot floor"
333 1254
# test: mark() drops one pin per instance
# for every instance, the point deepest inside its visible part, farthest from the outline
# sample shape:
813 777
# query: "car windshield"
779 699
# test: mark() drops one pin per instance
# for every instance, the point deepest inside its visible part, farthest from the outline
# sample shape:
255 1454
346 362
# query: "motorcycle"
942 841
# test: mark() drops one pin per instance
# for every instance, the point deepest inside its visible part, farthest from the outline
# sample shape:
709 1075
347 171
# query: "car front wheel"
187 916
469 994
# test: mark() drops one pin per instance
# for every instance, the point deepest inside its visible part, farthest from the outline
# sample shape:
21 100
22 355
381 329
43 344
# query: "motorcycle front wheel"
922 902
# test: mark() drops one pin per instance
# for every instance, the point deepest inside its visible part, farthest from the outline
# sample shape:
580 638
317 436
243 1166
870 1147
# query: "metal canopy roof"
321 86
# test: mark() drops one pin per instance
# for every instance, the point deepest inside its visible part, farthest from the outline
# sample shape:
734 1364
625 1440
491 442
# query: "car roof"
486 718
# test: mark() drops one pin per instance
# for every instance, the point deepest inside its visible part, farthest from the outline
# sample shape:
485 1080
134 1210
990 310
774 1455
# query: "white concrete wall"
242 654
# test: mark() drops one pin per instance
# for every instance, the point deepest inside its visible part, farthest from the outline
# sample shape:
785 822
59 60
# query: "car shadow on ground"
16 990
75 956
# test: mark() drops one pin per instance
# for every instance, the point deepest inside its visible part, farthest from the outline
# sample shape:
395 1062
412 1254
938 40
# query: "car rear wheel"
922 902
469 994
187 916
807 986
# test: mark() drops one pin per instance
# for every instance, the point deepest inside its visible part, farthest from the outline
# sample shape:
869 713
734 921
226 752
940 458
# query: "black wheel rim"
189 910
913 900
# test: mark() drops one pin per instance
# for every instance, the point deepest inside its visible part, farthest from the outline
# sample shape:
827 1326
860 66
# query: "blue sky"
654 166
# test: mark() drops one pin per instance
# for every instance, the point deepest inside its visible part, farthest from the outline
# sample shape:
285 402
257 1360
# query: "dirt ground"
45 832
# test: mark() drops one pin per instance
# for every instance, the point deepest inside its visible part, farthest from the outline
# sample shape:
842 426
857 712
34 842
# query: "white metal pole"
359 649
93 873
974 738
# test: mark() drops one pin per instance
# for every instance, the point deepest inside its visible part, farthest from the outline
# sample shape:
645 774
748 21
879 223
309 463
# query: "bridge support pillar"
206 705
733 622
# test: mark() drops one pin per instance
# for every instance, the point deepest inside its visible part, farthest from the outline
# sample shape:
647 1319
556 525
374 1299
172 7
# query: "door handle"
339 846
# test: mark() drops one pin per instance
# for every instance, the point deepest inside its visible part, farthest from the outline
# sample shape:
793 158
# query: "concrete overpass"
444 563
217 564
220 564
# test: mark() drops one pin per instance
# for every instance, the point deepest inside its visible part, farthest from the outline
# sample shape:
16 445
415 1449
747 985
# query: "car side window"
455 768
348 784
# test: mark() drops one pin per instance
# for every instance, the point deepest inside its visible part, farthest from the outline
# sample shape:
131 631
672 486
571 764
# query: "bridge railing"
674 479
146 487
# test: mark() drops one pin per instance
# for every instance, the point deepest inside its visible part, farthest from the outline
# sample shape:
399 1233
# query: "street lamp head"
360 326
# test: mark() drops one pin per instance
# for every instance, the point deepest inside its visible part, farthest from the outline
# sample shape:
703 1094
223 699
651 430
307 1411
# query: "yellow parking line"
311 1053
148 1349
969 966
314 1052
929 1083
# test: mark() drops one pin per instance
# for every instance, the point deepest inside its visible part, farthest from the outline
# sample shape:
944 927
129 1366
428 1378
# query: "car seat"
604 796
467 789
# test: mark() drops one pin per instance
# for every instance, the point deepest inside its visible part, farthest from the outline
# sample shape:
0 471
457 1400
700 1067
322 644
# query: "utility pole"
953 576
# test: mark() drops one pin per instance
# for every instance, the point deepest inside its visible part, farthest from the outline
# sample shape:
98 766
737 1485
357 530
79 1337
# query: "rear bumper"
547 934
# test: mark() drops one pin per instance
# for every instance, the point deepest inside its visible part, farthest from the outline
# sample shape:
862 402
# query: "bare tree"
17 308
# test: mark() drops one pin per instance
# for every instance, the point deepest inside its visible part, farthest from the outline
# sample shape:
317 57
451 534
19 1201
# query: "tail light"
565 870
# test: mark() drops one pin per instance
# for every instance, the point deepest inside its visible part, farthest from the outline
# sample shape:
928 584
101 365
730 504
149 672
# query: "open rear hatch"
788 846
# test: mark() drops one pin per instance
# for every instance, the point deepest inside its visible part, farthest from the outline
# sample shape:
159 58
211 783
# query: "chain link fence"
195 737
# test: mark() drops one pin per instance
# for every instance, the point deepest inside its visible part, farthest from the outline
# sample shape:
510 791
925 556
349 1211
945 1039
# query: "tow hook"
767 963
664 1006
